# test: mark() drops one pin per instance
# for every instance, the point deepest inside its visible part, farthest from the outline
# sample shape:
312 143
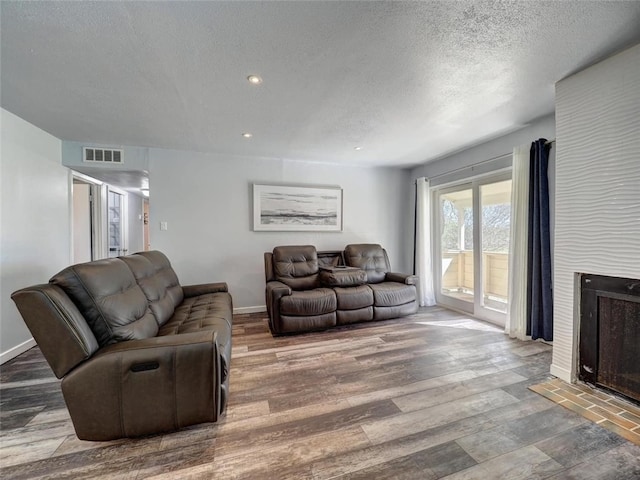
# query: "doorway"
146 238
472 223
117 222
82 222
87 198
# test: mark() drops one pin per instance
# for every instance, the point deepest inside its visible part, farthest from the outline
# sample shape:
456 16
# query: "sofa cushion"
309 302
211 311
369 257
108 296
296 266
346 317
203 312
353 298
158 281
383 313
307 323
390 294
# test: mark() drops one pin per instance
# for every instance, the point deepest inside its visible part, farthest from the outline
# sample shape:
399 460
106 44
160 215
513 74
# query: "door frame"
96 199
124 220
474 308
446 300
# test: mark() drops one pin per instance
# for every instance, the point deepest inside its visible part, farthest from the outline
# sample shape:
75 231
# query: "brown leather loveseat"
308 290
137 352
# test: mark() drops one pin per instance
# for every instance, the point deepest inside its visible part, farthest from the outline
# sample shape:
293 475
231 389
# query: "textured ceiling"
406 81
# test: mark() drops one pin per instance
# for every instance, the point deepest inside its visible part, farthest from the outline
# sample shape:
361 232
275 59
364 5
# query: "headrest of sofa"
107 294
370 257
296 266
158 281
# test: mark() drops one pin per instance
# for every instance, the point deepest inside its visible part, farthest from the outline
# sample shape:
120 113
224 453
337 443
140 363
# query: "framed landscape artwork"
297 209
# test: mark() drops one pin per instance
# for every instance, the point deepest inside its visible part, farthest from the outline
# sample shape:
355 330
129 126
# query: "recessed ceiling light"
247 135
357 148
254 79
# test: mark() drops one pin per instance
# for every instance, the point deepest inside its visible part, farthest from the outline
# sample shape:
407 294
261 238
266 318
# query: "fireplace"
609 350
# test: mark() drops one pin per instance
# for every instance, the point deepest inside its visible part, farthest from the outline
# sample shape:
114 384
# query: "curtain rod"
471 166
548 142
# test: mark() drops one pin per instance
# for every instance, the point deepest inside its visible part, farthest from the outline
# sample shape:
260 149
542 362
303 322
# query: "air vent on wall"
103 155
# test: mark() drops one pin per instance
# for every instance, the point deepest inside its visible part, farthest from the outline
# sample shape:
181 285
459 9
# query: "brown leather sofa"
137 352
308 290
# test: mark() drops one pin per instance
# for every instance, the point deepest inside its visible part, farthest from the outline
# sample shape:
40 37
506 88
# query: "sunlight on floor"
466 323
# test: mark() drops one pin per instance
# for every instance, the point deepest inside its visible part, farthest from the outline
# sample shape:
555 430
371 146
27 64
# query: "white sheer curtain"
424 267
517 311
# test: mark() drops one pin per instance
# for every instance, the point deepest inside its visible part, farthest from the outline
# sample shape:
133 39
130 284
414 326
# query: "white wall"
206 201
597 226
541 128
35 220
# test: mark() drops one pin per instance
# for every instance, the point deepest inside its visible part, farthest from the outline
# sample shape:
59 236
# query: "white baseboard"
561 373
17 350
256 309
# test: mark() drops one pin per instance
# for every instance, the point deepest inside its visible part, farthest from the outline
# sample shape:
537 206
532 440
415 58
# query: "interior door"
472 246
82 222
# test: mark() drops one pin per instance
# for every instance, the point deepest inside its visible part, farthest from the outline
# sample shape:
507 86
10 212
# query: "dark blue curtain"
539 296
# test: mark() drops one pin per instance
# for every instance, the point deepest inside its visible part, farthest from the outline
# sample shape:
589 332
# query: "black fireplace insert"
609 351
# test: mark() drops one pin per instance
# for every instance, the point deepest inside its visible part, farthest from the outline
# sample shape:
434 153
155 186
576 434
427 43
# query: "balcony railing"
458 277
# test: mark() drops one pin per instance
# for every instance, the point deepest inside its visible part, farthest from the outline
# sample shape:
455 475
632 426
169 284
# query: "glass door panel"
116 218
495 204
473 246
457 267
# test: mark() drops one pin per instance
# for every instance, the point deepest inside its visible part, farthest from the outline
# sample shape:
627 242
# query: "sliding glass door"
472 246
456 246
495 207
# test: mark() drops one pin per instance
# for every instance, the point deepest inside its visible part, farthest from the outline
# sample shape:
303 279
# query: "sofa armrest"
204 288
145 386
401 278
60 330
277 289
274 292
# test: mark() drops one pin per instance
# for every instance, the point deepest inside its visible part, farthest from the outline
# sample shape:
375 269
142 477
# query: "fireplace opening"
609 350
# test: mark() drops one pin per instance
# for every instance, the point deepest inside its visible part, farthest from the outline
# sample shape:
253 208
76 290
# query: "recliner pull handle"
143 367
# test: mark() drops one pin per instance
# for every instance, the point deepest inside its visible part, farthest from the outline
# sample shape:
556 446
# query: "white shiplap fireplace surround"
597 201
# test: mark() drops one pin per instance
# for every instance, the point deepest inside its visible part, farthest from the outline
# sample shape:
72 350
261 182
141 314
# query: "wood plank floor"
433 395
